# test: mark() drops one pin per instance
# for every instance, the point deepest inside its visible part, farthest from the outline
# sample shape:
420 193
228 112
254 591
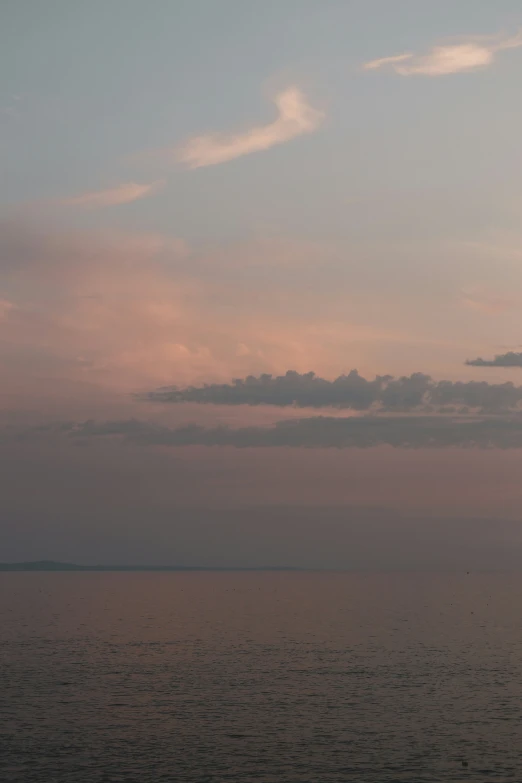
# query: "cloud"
509 359
296 117
122 194
5 309
413 432
106 311
486 302
461 57
374 65
133 311
351 391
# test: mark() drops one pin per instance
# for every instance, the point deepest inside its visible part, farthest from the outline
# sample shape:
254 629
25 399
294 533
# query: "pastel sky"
201 204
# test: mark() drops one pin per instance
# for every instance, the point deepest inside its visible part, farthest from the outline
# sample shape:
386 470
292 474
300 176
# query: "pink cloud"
121 194
125 313
296 117
5 309
487 301
448 59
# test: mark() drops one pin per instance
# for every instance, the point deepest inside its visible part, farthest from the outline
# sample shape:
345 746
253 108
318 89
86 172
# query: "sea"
265 677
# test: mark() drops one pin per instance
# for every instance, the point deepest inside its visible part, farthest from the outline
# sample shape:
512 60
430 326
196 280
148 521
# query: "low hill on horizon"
54 565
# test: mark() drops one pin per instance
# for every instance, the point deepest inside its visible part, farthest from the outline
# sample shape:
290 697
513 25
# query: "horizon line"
55 566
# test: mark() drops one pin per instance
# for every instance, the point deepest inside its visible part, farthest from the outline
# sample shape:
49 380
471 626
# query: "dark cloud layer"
509 359
350 391
504 432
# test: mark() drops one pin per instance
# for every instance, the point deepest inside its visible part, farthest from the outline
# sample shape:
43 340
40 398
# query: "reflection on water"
301 677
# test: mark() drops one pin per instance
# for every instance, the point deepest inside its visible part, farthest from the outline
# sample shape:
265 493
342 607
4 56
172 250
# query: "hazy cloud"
122 194
468 55
509 359
102 309
136 311
350 391
5 308
296 117
315 432
487 301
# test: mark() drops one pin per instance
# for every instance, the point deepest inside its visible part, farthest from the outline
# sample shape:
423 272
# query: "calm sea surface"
301 677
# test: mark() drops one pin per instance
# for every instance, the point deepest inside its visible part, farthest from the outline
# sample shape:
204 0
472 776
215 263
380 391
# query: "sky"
261 282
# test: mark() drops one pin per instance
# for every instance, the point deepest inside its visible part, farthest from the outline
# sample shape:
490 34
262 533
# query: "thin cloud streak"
122 194
374 65
467 56
296 117
487 301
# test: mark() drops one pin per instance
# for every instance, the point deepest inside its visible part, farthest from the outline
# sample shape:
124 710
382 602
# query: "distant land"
53 565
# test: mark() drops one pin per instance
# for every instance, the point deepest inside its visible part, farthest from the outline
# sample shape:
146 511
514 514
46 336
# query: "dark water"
260 677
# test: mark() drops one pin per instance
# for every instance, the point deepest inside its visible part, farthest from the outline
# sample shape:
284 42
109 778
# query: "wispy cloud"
11 110
487 301
5 308
101 308
470 55
122 194
373 65
296 117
